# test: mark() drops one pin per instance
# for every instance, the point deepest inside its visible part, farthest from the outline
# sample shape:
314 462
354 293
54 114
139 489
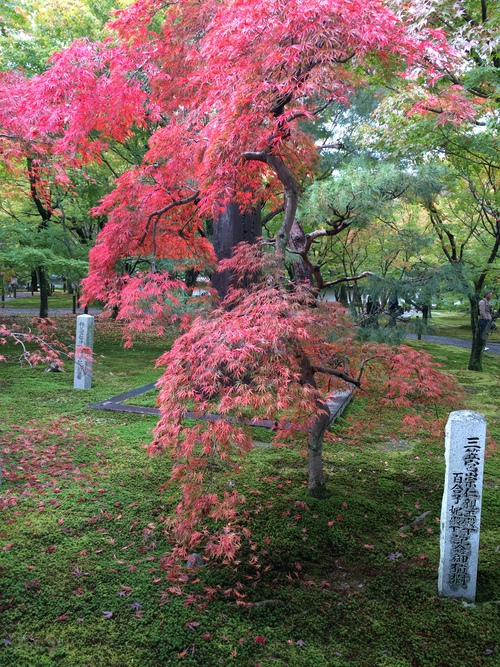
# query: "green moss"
344 581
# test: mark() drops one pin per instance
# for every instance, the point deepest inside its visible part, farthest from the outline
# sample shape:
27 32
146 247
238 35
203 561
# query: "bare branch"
348 279
338 374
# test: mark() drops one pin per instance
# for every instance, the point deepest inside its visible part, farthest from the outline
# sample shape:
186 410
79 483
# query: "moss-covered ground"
346 581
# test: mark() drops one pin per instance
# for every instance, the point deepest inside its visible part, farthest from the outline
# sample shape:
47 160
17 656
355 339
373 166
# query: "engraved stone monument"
461 508
83 355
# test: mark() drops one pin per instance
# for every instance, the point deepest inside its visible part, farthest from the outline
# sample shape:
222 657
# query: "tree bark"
343 296
316 477
34 282
44 292
290 196
301 272
233 227
476 352
357 303
190 277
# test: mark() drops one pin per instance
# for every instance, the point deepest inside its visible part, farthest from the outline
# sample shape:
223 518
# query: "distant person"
485 316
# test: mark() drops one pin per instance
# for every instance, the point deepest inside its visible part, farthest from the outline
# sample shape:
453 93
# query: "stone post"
83 359
461 508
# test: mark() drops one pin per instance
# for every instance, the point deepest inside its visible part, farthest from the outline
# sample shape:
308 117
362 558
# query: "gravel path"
458 342
52 311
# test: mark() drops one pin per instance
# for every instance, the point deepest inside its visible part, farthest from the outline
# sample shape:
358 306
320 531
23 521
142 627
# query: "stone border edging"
336 405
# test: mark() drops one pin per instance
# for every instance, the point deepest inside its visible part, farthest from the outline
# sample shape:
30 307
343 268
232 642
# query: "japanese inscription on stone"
461 508
83 352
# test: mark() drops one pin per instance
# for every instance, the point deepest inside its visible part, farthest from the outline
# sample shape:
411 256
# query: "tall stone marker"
83 357
461 508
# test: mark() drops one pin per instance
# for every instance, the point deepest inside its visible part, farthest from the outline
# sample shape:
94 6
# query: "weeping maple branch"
37 346
158 213
339 374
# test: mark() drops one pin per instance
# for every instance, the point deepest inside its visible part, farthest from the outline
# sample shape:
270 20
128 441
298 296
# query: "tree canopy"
223 101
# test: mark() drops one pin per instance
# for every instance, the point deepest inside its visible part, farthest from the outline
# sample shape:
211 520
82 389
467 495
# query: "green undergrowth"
346 581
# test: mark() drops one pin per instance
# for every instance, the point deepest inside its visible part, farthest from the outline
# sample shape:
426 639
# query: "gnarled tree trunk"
231 228
316 477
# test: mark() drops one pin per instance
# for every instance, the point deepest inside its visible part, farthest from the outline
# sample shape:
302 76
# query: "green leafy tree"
32 30
458 138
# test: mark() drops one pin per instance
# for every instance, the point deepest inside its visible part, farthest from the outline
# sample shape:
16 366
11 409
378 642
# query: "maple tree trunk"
44 292
301 272
290 196
231 228
316 478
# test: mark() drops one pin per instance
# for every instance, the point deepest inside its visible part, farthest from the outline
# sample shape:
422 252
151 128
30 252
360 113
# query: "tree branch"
290 198
157 214
338 374
347 279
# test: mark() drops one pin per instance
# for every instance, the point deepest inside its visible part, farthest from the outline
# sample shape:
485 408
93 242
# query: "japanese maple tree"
225 90
270 352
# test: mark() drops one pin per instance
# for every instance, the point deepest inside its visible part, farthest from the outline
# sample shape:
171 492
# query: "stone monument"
83 351
461 508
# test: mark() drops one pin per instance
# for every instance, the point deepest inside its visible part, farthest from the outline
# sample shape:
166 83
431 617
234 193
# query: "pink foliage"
267 352
38 343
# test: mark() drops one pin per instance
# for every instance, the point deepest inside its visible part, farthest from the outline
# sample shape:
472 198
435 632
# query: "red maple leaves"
219 92
271 351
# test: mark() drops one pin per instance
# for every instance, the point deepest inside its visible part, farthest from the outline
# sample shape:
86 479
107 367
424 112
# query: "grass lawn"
56 300
347 581
456 325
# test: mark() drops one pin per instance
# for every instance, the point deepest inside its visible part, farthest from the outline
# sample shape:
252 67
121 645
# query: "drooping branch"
156 215
338 374
347 279
272 214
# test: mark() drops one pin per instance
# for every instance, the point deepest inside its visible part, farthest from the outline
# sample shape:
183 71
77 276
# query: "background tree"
32 30
463 208
46 226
